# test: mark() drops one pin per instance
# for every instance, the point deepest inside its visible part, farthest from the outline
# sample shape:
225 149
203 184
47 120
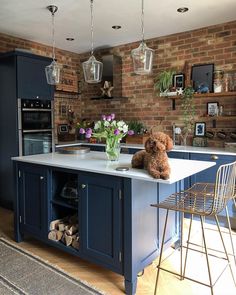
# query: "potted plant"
164 82
139 135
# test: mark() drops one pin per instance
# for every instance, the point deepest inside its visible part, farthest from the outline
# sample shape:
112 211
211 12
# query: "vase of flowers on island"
112 131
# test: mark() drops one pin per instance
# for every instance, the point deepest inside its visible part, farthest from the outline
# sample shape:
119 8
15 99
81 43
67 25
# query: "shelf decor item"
202 77
52 71
143 55
212 108
200 129
112 131
178 81
92 68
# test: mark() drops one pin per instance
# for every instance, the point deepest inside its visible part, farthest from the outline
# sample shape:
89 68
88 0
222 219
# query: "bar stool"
202 202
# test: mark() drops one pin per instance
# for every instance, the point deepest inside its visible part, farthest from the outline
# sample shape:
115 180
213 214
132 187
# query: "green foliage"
136 126
188 108
164 81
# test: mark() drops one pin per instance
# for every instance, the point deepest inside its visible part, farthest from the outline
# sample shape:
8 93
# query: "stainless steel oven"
35 126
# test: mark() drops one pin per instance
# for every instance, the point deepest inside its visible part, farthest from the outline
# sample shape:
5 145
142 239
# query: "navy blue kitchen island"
118 229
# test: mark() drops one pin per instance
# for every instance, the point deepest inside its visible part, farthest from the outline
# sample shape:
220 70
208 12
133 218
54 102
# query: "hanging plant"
188 108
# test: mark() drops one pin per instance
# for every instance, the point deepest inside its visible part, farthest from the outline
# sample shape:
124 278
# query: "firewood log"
75 244
73 219
54 224
55 235
72 229
68 239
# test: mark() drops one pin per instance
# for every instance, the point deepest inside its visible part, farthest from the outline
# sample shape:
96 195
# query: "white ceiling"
29 19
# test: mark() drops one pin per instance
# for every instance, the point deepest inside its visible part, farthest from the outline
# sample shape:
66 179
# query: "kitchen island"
118 229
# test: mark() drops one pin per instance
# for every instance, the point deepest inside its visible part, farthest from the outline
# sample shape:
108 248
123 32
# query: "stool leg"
161 251
230 233
181 246
188 240
207 259
226 254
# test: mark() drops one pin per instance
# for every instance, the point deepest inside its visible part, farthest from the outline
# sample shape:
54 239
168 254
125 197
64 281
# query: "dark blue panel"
101 222
31 78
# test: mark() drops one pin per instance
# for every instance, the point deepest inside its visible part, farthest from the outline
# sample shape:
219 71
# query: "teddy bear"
154 158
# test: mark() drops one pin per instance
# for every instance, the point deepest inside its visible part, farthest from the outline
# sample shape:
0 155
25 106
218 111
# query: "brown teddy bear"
154 158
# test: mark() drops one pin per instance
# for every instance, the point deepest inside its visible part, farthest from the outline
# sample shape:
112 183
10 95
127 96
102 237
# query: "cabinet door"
31 78
101 219
209 175
33 196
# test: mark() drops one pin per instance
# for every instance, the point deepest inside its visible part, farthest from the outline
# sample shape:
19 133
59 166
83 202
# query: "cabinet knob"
214 157
41 177
83 185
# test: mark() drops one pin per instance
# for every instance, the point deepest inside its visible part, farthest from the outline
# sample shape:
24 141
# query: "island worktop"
96 162
117 227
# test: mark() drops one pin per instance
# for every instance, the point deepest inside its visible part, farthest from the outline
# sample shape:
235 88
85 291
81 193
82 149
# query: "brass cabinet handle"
214 157
83 185
41 177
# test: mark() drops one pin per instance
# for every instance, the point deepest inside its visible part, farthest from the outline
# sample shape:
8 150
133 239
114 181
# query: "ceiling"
29 19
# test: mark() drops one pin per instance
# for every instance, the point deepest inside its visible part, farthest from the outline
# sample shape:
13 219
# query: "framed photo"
212 108
178 80
202 77
200 129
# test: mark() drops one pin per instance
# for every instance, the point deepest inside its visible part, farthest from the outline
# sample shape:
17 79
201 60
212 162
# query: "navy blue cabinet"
31 78
101 219
32 189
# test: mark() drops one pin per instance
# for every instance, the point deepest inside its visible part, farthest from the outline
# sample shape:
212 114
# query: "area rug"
22 273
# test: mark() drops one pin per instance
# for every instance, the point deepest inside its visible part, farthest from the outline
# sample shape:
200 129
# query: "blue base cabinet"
117 227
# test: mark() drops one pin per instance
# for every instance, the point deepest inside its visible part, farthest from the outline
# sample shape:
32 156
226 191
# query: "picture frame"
212 108
200 129
179 80
202 78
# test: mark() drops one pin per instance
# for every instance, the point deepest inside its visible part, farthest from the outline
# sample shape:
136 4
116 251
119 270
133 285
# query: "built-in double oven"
35 126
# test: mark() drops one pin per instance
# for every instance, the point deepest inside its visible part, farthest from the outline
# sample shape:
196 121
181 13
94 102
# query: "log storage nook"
83 205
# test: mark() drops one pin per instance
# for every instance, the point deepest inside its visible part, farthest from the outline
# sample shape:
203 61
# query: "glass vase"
112 149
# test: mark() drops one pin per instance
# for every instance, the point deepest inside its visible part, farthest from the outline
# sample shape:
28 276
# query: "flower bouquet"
112 131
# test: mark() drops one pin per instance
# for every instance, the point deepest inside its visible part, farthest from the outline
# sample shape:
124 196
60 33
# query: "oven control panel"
35 104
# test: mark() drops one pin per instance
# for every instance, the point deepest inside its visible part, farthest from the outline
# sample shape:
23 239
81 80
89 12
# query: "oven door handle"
37 130
36 110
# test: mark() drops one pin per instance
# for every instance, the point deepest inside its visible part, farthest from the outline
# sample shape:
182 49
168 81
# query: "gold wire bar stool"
200 201
208 189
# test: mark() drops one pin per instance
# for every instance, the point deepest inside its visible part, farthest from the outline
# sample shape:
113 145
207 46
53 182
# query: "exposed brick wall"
215 44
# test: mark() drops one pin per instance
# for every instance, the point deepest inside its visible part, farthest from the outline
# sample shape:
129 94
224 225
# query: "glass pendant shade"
53 73
92 70
142 59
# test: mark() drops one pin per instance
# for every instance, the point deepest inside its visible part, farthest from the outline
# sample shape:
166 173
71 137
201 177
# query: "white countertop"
97 162
177 148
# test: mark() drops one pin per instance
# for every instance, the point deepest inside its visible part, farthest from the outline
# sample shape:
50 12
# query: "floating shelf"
64 204
218 118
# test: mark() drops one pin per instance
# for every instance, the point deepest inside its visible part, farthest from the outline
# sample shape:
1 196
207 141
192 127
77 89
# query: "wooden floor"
112 283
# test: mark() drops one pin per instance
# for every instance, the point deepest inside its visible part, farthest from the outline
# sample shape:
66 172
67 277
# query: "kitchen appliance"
35 126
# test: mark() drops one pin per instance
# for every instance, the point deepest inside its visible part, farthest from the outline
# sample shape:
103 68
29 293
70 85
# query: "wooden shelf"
220 94
64 204
217 118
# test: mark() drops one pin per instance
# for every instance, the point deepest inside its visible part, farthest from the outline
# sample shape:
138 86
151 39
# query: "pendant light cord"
91 10
53 37
142 22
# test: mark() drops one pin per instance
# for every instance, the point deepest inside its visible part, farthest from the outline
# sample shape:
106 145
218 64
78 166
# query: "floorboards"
112 283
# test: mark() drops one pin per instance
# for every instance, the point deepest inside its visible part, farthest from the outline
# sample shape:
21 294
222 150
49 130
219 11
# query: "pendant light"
53 70
92 68
143 55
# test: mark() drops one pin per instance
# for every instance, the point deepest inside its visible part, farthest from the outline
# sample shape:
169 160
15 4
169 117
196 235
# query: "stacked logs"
65 230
